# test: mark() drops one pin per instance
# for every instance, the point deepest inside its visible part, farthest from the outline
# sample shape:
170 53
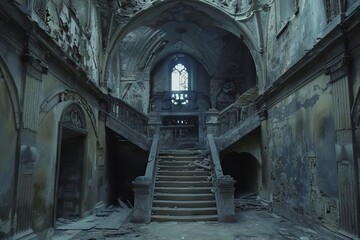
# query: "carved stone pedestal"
142 201
225 198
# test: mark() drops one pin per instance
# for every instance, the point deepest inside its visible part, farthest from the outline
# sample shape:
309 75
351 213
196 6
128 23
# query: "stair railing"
224 186
143 186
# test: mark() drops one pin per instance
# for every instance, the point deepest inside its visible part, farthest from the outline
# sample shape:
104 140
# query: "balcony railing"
128 115
179 101
237 112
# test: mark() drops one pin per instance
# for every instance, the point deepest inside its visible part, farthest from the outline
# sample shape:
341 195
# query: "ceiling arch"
167 27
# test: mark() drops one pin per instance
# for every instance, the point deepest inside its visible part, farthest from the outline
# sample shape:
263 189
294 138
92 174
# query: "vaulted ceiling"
189 27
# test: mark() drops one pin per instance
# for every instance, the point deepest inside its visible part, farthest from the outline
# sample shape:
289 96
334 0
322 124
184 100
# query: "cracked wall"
301 137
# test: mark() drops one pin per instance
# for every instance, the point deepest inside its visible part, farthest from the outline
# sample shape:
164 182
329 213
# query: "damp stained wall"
8 143
46 166
286 46
301 140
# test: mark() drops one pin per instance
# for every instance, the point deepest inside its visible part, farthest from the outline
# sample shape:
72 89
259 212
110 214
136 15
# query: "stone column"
27 142
344 150
142 200
212 122
266 163
225 198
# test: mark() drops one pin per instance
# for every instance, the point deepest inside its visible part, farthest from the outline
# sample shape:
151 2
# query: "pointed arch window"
179 78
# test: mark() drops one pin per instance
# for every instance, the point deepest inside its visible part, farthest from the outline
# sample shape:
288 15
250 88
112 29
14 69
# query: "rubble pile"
251 201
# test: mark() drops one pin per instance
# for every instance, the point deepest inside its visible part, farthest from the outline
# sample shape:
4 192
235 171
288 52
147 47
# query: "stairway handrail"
150 168
144 186
215 156
223 186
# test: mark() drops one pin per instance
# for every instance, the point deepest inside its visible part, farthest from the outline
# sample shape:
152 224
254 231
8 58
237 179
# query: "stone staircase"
182 190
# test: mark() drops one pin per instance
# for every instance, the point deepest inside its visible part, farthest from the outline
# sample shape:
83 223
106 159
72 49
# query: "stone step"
195 218
177 168
183 184
184 197
178 190
174 163
179 158
184 204
182 178
179 152
198 172
183 211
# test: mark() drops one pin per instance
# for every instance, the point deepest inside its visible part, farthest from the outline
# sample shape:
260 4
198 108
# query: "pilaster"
344 149
34 71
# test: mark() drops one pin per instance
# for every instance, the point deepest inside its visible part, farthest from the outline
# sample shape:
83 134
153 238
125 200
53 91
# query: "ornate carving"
40 9
74 117
241 10
228 93
332 9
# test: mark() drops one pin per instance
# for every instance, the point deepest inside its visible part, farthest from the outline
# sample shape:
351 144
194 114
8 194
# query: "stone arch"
73 116
252 39
71 162
69 96
244 168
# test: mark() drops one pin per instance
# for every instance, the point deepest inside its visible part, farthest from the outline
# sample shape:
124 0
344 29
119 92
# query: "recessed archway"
71 155
244 168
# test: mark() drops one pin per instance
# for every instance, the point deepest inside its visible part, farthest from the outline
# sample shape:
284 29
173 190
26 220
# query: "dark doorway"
69 174
126 161
243 167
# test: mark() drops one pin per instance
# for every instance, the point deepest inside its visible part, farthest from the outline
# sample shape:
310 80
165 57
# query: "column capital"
338 68
36 63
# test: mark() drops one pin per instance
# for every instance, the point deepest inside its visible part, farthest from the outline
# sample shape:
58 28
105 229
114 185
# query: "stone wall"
301 135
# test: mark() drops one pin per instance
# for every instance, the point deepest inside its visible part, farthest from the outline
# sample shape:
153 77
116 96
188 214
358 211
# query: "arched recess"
70 174
244 168
221 19
10 112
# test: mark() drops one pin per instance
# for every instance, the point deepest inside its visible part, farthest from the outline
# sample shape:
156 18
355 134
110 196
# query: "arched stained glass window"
179 78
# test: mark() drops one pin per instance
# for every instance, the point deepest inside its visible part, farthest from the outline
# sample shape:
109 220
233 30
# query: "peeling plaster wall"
75 29
286 48
8 142
301 137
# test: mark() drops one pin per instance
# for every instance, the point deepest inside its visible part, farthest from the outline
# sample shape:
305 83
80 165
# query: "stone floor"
251 224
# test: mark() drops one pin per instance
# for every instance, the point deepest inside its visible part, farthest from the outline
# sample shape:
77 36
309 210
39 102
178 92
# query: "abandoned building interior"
170 103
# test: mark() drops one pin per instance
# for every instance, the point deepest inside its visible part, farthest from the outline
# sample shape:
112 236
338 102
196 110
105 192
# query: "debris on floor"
204 163
251 201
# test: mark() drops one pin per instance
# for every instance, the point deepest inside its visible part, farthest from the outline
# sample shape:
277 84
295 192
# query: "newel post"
225 198
142 202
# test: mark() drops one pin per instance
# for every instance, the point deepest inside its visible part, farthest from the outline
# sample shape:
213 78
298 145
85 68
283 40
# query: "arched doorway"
244 168
71 154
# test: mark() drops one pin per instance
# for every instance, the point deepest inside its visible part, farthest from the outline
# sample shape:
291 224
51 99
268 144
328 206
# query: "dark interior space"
243 167
69 183
126 161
